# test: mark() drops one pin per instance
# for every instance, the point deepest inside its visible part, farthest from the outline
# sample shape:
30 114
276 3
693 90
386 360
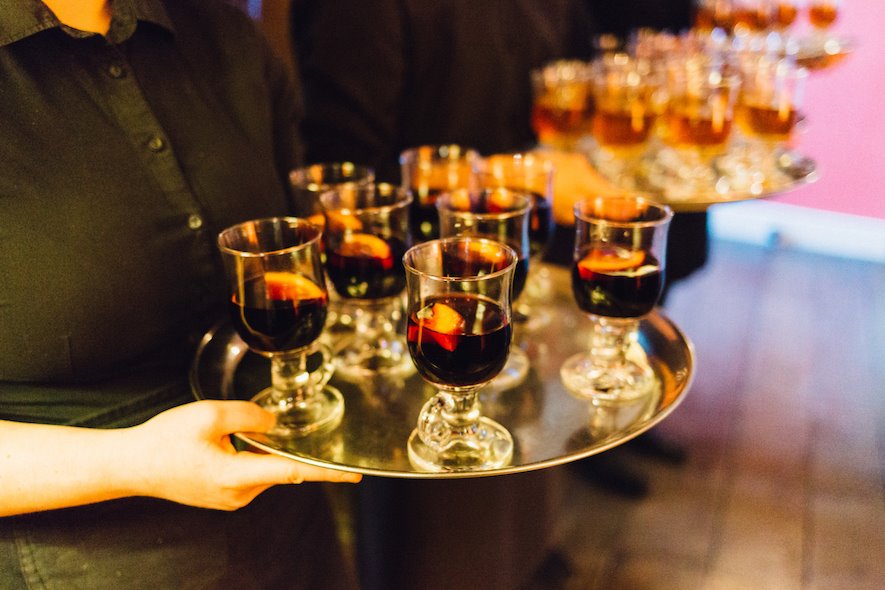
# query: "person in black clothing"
132 132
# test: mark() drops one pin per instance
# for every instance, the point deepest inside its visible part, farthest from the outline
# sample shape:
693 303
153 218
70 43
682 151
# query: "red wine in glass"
279 312
366 266
423 218
540 224
616 282
459 340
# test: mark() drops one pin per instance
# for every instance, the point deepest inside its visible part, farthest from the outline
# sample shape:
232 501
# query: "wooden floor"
784 434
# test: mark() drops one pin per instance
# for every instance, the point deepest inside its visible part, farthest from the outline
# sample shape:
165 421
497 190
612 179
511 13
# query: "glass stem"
377 318
611 339
290 379
461 410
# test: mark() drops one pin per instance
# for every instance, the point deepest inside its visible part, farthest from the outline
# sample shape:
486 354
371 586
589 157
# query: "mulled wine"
616 282
365 266
279 312
459 340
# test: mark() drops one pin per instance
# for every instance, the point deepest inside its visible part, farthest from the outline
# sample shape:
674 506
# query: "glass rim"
342 165
514 255
666 214
467 153
288 220
404 199
508 214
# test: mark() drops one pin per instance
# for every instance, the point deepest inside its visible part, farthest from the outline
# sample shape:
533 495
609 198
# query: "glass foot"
357 359
487 446
513 374
604 384
321 412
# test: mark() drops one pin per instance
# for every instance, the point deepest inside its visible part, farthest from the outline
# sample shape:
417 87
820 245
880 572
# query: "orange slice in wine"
317 219
488 251
291 286
609 260
364 245
339 221
499 200
460 200
446 325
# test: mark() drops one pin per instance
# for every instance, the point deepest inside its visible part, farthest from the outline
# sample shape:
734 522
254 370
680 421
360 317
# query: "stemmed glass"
617 277
366 235
562 103
532 175
772 93
702 94
459 336
502 215
430 170
278 306
626 91
822 14
308 183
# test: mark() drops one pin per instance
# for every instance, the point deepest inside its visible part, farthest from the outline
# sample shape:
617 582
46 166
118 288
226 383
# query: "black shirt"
383 76
121 158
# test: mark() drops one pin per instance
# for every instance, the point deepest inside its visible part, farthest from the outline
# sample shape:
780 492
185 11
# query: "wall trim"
770 223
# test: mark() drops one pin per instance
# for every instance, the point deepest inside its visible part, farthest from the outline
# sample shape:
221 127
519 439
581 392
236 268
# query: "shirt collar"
22 18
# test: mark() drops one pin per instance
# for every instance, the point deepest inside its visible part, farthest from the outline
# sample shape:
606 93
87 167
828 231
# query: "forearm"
44 467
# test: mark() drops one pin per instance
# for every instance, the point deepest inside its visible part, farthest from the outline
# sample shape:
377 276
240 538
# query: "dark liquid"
540 224
471 357
624 293
276 325
368 277
423 217
458 265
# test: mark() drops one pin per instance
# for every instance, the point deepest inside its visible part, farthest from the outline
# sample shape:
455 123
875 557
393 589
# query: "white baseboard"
770 223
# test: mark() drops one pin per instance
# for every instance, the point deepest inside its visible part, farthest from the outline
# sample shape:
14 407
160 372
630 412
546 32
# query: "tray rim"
262 443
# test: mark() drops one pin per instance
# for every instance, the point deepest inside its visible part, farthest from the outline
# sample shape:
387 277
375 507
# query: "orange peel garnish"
498 200
365 245
291 286
609 260
339 221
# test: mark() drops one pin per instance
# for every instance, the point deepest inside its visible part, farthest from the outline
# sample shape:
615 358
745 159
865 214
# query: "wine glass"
562 103
459 335
308 183
823 13
366 235
430 170
530 174
278 305
626 91
768 112
502 215
617 278
702 94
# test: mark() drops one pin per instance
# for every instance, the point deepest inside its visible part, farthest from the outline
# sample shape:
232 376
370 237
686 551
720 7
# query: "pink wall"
845 134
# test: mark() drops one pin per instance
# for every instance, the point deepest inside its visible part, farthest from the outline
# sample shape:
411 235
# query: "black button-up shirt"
121 157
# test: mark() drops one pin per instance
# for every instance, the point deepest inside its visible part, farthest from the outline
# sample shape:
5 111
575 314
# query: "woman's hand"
183 454
188 457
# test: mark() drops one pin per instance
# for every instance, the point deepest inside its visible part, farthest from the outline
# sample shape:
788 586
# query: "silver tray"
820 53
549 426
790 170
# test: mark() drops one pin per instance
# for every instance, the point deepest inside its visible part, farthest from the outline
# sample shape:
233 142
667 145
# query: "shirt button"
194 221
116 71
156 144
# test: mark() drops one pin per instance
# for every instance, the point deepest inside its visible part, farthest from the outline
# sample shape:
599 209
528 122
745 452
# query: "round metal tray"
791 171
549 426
